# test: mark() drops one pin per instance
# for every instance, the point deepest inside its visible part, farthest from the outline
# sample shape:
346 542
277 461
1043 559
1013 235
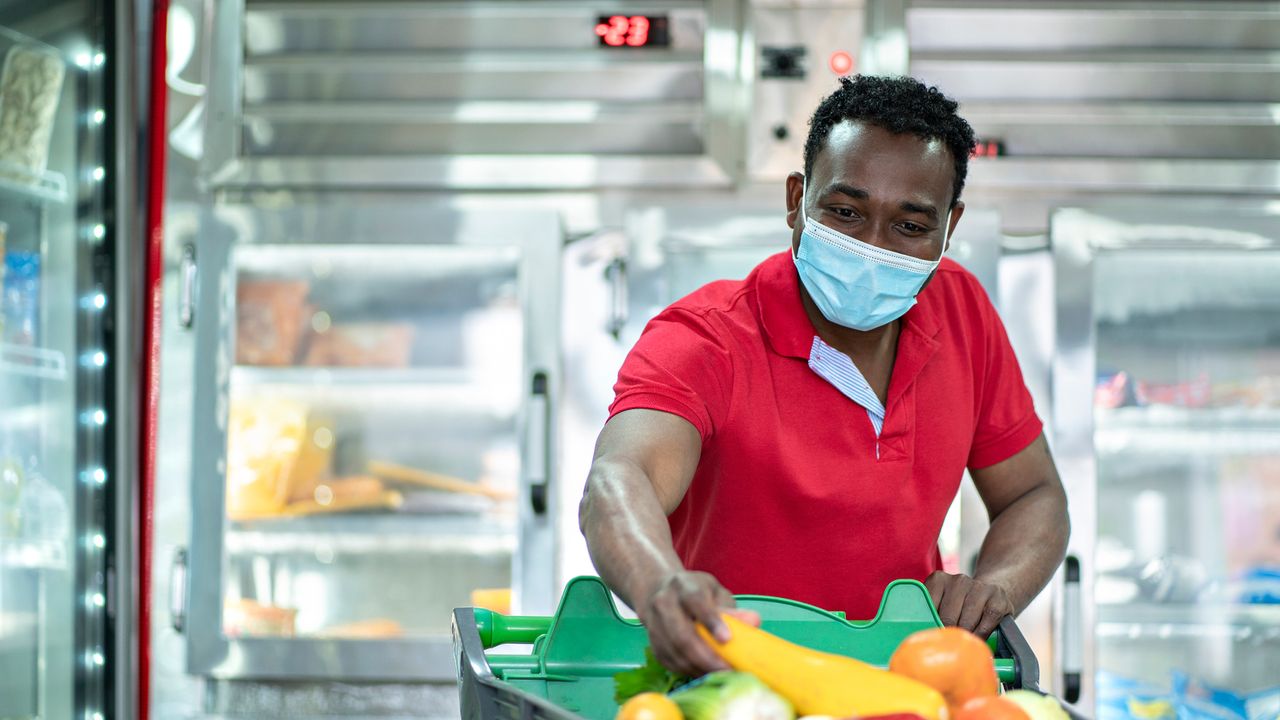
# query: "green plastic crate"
568 674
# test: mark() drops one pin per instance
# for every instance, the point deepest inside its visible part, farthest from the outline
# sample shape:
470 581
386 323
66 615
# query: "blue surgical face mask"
854 284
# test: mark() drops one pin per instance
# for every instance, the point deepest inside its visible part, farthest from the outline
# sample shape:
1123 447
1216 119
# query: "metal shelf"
1157 620
22 182
369 533
1156 417
337 376
32 555
1182 431
375 390
20 361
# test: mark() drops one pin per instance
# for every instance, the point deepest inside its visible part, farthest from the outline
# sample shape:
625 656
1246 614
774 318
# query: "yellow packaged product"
265 439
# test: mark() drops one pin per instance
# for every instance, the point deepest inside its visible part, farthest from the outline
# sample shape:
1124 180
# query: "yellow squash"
819 683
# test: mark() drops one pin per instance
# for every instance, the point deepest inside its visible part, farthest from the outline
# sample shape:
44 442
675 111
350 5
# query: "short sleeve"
1007 422
680 365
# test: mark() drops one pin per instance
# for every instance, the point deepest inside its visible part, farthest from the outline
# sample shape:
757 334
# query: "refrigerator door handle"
178 591
539 448
1072 632
616 274
187 294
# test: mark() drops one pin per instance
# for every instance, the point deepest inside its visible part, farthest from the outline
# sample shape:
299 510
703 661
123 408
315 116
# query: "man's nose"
877 233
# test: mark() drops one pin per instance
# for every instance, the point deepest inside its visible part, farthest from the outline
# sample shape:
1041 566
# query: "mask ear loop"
946 234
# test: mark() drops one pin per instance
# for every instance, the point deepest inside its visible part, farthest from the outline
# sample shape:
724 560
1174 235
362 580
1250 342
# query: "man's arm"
1024 545
644 463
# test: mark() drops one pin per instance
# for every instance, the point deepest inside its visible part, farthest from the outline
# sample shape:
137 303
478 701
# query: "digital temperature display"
635 31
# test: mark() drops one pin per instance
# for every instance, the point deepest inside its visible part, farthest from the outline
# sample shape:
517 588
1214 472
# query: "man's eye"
843 212
914 228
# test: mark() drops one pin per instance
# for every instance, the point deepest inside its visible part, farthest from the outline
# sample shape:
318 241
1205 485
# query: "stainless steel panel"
1026 190
292 27
476 172
1260 177
461 128
322 85
778 119
1239 76
545 77
885 48
1061 26
1124 129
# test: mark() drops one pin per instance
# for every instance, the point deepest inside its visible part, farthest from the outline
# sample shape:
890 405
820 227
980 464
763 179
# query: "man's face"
887 190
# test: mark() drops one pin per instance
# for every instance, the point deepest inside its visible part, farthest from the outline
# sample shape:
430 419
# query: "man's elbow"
585 505
1062 515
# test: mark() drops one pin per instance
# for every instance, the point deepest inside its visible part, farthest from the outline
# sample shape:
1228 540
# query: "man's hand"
970 604
669 614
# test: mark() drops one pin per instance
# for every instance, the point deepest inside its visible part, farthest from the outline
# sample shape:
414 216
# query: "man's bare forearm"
626 530
1025 544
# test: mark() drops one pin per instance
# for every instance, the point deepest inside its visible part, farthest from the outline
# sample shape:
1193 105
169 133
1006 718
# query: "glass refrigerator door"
55 418
1186 438
371 449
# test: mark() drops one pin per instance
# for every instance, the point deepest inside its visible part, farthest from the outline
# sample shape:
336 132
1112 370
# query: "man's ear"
795 196
956 212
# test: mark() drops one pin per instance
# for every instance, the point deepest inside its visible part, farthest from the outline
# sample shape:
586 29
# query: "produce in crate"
1037 706
950 660
819 683
991 708
729 695
649 706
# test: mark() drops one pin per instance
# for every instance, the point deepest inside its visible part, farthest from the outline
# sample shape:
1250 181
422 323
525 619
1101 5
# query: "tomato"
950 660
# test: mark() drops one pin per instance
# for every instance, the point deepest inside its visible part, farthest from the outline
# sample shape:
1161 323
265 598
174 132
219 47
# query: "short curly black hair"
899 105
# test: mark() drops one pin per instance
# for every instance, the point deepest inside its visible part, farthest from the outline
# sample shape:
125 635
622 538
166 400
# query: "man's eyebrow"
929 210
847 189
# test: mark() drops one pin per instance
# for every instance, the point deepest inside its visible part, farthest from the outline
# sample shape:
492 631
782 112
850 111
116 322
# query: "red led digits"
620 30
614 33
639 34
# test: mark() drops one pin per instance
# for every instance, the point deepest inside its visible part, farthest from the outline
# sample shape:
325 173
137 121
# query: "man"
802 432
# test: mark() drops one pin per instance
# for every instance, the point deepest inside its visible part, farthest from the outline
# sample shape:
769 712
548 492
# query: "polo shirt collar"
789 331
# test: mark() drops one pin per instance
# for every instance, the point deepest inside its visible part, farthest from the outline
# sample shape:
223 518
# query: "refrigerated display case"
60 419
1167 400
371 440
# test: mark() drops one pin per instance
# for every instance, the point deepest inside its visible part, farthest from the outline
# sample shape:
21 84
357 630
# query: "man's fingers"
750 617
953 601
975 606
991 618
936 584
683 649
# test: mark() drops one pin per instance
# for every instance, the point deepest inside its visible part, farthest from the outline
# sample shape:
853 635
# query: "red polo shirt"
789 498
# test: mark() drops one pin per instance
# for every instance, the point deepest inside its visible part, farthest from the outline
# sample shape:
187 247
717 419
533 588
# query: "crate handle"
497 629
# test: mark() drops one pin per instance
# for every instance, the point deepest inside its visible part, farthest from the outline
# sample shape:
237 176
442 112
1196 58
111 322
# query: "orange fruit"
991 708
649 706
950 660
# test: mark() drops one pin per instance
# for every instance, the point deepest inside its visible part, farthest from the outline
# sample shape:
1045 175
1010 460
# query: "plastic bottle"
44 510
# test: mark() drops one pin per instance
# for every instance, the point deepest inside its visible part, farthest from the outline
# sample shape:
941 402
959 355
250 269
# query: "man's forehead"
853 143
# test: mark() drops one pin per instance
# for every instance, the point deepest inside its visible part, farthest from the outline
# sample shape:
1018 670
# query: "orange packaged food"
382 345
271 316
248 618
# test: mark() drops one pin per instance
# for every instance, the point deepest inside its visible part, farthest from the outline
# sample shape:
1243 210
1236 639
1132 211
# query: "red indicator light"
841 62
988 148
